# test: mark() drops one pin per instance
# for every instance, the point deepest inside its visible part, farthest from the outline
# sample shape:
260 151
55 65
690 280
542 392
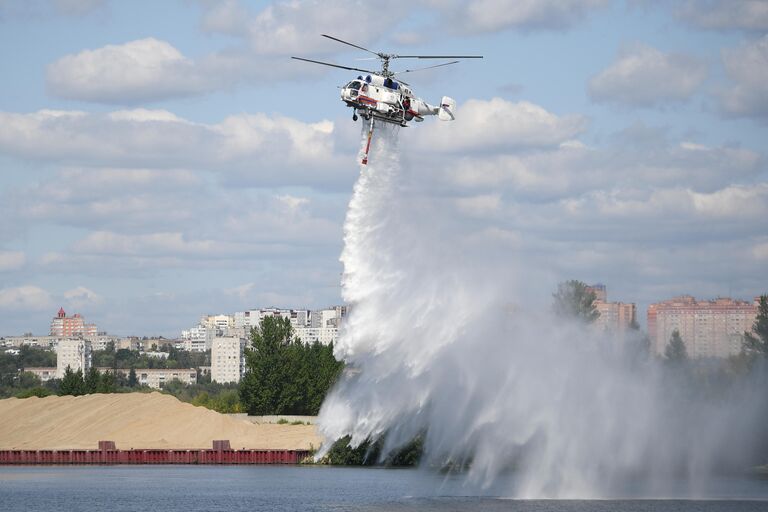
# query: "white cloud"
747 67
142 70
760 251
226 17
291 27
732 203
162 244
11 260
479 206
497 124
25 298
481 16
250 147
644 76
725 14
243 291
82 297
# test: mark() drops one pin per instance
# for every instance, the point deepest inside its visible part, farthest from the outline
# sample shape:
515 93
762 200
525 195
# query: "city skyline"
161 160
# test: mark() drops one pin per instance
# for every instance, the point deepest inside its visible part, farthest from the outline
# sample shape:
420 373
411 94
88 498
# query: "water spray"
440 339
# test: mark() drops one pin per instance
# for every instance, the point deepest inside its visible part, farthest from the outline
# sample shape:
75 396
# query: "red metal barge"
107 453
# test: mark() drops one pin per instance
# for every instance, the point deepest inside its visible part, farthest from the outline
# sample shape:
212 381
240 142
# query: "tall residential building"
197 339
614 317
73 353
712 328
600 291
227 360
252 318
63 325
328 317
221 323
323 335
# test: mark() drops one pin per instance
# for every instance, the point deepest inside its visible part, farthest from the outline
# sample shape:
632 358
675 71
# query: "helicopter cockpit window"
354 85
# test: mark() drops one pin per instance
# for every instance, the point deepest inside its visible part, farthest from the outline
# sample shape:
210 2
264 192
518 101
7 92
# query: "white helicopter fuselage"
391 101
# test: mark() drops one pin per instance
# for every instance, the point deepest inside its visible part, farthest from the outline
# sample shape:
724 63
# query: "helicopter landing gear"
354 117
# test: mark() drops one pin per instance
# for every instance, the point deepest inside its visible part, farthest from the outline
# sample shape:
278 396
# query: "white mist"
438 342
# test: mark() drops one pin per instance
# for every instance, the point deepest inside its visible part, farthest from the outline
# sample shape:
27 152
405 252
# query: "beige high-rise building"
615 317
73 353
227 359
712 328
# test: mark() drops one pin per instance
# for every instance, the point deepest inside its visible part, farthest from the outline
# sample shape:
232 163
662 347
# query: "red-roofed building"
68 326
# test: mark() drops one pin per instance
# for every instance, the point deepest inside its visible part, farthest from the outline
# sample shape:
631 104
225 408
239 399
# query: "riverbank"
137 420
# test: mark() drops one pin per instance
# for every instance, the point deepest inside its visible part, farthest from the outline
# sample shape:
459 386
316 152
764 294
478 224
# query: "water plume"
440 341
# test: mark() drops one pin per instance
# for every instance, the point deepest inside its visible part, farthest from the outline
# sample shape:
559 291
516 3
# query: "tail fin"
447 109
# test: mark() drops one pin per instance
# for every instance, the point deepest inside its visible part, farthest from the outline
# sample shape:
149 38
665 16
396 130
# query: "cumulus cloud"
141 70
747 67
25 298
82 297
731 203
725 14
11 260
249 146
644 76
496 124
151 69
481 16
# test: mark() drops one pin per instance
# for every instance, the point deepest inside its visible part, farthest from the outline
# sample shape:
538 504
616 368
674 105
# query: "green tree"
91 381
37 391
35 356
132 380
72 383
28 380
284 375
756 342
576 300
106 383
675 350
265 380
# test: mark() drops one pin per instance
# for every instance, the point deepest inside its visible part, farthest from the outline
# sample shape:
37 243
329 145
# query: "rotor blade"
350 44
437 56
428 67
334 65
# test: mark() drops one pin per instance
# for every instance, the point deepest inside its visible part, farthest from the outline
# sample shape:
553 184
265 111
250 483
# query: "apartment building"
65 326
73 353
709 328
227 359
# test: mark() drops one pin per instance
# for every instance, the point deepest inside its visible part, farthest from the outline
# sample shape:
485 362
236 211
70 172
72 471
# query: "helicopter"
380 95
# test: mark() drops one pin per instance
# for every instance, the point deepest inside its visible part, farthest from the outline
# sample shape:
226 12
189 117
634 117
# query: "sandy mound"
135 420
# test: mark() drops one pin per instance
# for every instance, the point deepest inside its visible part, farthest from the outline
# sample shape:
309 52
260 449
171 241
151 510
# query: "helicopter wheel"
354 117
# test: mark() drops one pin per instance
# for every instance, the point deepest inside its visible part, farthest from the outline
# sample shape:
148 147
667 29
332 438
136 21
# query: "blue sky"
163 160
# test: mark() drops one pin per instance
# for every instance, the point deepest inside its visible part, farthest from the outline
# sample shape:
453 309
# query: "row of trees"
285 375
124 358
75 383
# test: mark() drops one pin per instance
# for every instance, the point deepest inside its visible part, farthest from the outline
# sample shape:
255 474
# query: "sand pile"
135 420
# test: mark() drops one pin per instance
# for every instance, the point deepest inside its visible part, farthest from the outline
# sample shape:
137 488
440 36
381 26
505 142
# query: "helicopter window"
354 85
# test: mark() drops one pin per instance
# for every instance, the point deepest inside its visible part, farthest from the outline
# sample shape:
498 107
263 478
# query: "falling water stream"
439 340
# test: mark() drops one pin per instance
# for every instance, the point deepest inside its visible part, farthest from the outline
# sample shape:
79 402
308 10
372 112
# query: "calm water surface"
304 488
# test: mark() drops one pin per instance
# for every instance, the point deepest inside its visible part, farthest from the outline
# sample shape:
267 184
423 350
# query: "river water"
310 488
